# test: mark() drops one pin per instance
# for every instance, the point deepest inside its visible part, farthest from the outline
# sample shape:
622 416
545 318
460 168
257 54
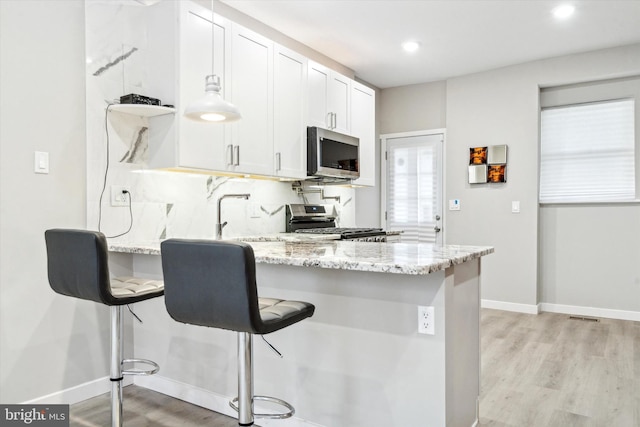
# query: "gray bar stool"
213 283
77 263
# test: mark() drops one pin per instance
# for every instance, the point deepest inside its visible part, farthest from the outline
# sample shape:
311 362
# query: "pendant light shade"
212 107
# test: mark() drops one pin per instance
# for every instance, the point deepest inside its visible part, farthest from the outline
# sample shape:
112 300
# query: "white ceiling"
457 36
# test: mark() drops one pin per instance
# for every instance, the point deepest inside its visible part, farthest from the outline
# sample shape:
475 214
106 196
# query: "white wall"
400 109
575 238
47 342
501 107
413 107
590 257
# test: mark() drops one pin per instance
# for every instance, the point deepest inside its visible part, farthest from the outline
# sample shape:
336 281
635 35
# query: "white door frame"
383 171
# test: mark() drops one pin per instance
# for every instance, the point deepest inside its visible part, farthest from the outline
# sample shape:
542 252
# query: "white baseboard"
591 311
207 399
78 393
510 306
562 308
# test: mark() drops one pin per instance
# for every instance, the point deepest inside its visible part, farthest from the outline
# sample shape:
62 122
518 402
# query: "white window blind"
587 153
413 188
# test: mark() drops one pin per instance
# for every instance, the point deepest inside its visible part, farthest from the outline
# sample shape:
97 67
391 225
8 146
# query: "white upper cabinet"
279 93
201 145
252 92
290 120
329 98
340 102
363 126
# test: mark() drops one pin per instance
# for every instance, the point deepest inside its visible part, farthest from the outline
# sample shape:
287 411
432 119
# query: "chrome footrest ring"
155 368
277 416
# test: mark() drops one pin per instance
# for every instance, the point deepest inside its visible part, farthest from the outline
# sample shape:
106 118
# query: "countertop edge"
440 258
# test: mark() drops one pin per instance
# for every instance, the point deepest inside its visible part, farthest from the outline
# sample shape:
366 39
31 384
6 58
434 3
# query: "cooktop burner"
345 233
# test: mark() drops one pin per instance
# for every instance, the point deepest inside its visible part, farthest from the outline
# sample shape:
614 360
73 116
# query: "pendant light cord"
213 40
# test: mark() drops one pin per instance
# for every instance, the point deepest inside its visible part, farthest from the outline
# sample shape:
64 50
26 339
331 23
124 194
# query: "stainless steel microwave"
332 154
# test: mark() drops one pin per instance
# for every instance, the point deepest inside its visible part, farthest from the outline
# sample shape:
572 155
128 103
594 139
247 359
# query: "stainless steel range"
321 219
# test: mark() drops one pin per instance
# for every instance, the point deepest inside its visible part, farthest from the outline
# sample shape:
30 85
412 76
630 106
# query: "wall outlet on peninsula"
120 195
426 320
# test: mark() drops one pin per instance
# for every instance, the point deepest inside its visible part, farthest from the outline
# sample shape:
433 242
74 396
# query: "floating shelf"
142 110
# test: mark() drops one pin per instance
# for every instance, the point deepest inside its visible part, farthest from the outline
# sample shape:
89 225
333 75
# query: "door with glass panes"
412 185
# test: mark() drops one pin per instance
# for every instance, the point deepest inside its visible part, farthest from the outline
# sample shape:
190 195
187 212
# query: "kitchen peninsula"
359 360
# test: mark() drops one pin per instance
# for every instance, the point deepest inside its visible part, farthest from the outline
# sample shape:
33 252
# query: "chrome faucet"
220 225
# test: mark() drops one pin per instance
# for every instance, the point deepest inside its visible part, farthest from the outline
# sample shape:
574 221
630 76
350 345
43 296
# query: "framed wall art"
488 164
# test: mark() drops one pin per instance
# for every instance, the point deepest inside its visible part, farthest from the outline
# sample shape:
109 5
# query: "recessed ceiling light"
563 11
410 46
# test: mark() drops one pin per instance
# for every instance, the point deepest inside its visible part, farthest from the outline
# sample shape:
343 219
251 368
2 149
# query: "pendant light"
212 107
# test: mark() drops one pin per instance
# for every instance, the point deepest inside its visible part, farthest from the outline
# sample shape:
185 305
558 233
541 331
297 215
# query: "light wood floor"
537 371
146 408
548 370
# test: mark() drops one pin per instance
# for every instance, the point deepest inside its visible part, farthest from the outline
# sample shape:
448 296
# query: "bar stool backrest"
211 283
78 264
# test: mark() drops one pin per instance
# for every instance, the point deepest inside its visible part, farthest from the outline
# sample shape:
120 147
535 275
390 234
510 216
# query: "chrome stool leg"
243 404
117 361
116 365
245 379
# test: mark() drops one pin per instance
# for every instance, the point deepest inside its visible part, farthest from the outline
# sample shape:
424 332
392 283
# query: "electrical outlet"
120 195
426 320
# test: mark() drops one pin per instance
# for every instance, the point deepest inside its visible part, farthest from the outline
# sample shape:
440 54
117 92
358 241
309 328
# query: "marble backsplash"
163 204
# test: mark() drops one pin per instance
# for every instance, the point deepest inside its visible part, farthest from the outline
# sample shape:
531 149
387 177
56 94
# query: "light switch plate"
41 162
515 206
454 205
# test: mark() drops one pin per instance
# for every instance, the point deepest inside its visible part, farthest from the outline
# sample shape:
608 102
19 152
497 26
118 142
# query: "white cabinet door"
329 94
201 145
290 136
363 126
318 95
339 102
252 92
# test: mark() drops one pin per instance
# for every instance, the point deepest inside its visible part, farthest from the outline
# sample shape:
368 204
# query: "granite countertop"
400 258
288 237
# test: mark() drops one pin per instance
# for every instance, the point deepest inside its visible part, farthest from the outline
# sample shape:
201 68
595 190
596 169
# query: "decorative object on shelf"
134 98
212 107
488 164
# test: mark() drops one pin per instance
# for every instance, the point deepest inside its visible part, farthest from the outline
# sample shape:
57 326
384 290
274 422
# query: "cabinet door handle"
329 120
237 149
229 155
278 162
335 121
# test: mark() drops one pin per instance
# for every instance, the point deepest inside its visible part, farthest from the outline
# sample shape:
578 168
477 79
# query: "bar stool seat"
213 283
78 266
134 286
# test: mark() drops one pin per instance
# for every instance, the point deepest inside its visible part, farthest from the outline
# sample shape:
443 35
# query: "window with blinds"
413 187
587 153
